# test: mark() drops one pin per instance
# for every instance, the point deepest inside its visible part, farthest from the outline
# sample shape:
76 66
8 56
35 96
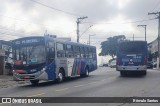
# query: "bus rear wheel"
34 82
144 73
86 74
122 73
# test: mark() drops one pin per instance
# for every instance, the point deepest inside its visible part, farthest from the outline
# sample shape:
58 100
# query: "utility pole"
158 17
78 22
144 26
133 37
89 39
45 33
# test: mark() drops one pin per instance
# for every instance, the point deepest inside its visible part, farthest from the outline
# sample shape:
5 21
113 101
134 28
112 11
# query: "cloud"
29 17
20 18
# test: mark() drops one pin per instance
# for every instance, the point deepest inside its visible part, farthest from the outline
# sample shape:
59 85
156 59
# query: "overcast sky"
19 18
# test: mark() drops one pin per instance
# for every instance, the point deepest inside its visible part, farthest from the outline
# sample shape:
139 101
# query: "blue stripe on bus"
51 71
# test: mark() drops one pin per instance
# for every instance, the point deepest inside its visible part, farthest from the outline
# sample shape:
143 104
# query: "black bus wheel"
144 73
34 82
122 73
86 74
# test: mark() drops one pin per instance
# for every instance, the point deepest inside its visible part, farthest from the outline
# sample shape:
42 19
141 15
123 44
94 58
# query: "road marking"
36 95
62 89
79 85
103 80
93 82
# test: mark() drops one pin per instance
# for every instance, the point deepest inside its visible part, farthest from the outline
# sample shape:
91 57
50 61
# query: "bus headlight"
43 69
14 72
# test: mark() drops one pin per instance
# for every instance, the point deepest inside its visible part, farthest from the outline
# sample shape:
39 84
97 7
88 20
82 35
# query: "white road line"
62 89
79 85
103 80
93 82
36 95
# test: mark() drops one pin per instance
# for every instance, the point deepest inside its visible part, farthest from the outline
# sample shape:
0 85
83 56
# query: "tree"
109 46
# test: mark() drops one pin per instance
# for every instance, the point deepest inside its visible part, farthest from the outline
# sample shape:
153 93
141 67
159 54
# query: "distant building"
5 56
153 48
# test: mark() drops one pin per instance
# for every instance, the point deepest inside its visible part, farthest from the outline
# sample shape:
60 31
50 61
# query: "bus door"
51 61
70 62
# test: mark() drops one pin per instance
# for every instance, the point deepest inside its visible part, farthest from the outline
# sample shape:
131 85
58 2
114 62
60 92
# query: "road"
104 82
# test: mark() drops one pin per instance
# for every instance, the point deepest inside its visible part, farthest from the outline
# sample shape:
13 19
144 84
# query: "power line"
26 21
14 33
125 22
66 12
85 31
157 4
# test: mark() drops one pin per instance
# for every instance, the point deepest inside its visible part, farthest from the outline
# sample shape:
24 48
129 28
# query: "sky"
106 18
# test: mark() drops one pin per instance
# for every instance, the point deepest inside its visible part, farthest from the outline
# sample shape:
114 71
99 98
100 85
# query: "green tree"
109 46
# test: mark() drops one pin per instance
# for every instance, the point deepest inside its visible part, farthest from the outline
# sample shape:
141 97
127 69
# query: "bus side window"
77 51
90 52
94 52
51 53
69 51
60 50
82 52
85 52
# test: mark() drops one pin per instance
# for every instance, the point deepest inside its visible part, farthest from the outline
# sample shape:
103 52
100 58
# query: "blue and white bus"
132 57
47 58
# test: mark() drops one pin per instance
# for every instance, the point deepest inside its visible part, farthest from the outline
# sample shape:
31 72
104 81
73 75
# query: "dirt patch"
7 81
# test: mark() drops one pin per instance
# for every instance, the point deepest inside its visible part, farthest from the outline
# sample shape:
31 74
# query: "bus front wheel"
34 82
60 76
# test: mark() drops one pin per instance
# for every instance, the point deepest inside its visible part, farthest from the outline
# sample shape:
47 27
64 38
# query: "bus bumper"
40 75
131 68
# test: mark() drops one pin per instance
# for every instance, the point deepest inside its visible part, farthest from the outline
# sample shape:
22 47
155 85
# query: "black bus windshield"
131 47
31 54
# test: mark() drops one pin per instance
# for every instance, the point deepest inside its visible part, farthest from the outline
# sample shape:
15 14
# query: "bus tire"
144 73
86 74
34 82
60 76
122 73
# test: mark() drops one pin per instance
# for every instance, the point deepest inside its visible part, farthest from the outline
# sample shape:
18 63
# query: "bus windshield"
31 54
131 47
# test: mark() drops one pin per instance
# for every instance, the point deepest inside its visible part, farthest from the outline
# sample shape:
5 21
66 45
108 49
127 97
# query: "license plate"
26 76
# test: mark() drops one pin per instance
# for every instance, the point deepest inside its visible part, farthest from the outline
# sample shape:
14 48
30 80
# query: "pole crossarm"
141 26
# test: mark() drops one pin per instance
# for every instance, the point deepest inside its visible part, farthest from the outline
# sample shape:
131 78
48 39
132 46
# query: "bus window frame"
62 52
70 52
50 50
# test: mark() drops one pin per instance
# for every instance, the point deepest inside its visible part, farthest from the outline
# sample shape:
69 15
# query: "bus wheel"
144 73
122 73
34 82
60 76
86 73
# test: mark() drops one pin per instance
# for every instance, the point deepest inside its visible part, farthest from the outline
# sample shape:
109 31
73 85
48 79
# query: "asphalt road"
104 82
